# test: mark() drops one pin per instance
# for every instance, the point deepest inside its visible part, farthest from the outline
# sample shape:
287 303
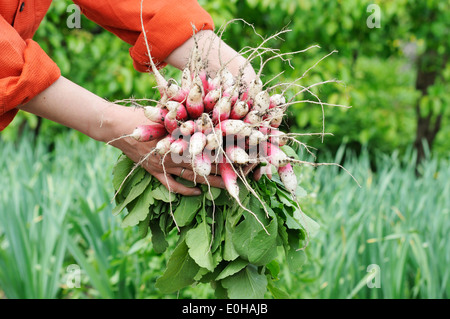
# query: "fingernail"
197 191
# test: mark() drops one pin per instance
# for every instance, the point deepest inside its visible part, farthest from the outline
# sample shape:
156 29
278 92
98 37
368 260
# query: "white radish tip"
261 102
237 155
202 165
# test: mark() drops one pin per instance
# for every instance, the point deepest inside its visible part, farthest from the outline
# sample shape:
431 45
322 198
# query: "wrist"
118 121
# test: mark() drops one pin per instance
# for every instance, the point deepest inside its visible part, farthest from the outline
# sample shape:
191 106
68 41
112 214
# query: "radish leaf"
180 272
246 284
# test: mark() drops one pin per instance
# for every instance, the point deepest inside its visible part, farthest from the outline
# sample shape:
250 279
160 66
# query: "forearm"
71 105
215 53
66 103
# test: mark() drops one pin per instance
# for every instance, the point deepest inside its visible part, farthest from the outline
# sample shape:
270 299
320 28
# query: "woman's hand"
71 105
164 168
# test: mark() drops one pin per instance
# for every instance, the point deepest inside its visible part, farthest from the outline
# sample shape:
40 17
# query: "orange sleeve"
168 24
25 71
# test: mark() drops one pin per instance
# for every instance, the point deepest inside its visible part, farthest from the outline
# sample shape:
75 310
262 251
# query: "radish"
226 78
237 155
275 116
229 177
170 121
187 128
163 145
203 76
232 93
179 108
194 102
239 110
277 137
223 80
214 84
288 178
214 140
186 80
197 143
261 102
211 99
175 92
231 122
256 137
265 130
234 127
203 123
222 109
202 165
254 88
253 117
149 132
275 155
254 144
155 114
277 100
179 146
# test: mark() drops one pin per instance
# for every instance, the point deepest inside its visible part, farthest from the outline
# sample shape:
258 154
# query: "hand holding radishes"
69 104
223 119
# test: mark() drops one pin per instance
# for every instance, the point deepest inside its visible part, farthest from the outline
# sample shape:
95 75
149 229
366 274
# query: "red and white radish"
214 140
187 128
288 178
175 92
202 165
222 109
194 102
171 122
149 132
277 100
179 108
230 177
253 117
261 102
211 99
239 110
203 124
237 155
155 114
197 144
163 145
234 128
179 146
254 88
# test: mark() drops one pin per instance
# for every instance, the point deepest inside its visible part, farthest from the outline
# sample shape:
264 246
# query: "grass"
55 212
395 224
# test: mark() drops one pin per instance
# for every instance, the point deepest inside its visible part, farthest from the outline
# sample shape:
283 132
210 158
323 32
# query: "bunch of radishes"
218 121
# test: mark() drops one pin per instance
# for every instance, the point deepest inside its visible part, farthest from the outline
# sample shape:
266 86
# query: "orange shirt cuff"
28 75
168 29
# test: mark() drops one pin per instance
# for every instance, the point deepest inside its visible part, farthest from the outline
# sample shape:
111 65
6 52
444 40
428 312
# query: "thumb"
173 186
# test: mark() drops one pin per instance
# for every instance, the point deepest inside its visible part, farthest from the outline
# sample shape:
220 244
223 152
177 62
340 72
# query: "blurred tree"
430 20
